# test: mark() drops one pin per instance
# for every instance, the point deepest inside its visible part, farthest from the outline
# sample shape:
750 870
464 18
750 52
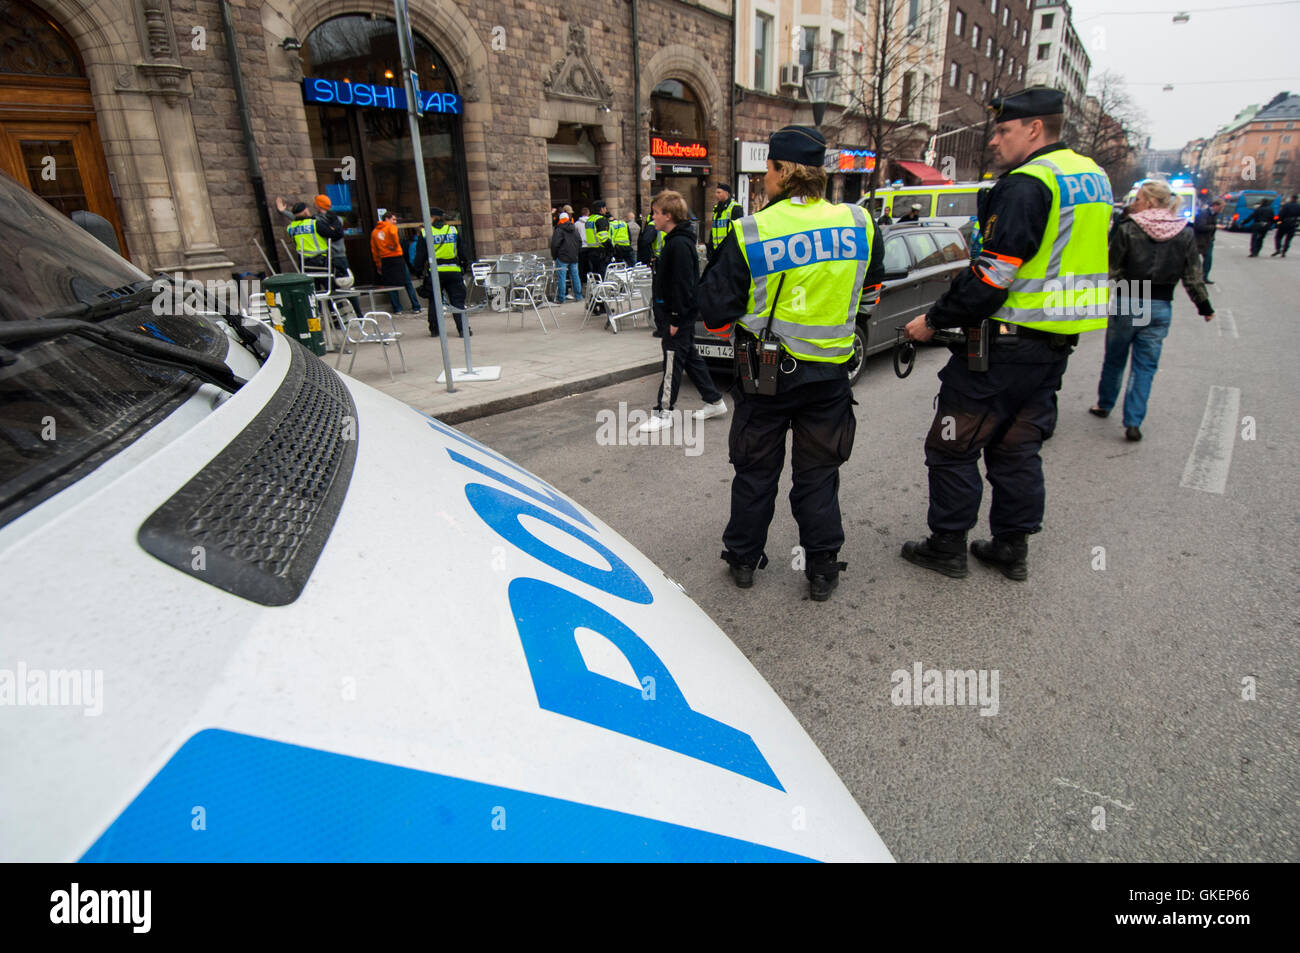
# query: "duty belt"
1004 330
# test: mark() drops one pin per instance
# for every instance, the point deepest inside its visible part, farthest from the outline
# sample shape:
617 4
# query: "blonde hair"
1158 194
808 181
671 204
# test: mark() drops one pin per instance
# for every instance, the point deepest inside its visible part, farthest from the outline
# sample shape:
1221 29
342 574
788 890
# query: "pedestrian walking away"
1043 229
1150 247
1206 227
675 312
449 258
794 314
566 244
386 250
1287 219
1260 221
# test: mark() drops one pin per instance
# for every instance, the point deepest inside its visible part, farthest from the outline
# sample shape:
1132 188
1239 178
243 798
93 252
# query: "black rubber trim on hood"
254 521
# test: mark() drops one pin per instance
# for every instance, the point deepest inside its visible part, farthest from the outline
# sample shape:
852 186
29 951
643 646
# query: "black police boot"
1008 553
942 552
742 570
823 574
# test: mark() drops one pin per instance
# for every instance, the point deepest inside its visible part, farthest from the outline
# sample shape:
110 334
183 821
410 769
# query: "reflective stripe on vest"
305 237
823 251
618 233
1063 289
658 244
722 222
444 247
589 230
600 229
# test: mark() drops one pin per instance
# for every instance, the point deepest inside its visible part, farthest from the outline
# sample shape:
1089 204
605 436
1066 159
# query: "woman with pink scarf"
1152 248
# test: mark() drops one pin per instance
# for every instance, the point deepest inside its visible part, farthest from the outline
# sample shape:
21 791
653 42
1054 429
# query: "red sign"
678 148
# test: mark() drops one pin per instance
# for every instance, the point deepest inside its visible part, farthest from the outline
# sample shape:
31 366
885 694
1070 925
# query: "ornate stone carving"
575 76
157 29
469 91
166 80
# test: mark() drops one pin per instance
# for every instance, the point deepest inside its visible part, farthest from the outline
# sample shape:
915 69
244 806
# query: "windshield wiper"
109 303
129 343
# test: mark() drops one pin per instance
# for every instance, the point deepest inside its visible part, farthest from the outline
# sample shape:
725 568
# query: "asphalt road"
1120 689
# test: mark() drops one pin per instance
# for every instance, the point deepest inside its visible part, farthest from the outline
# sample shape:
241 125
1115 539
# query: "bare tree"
882 98
1109 128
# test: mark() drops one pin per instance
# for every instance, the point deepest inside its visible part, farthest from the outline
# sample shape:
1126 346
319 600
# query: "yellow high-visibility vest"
306 239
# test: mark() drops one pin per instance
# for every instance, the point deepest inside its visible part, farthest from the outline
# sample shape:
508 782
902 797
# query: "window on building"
1044 50
1286 140
994 6
970 83
909 87
1022 71
1006 16
959 23
913 13
988 47
954 74
1264 140
984 89
762 48
1001 56
975 36
860 6
1283 154
837 50
1047 21
808 48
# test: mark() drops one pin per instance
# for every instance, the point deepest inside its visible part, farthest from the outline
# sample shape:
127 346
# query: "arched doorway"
361 141
49 140
679 145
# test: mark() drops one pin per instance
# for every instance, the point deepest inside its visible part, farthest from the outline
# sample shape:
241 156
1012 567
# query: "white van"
956 204
256 610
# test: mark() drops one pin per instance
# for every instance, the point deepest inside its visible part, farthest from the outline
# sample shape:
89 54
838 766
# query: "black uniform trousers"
1003 414
1282 239
680 355
452 282
820 414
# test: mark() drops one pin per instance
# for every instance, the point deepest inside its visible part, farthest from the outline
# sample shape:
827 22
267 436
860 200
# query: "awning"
925 174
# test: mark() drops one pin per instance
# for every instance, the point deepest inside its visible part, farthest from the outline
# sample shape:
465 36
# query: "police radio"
758 359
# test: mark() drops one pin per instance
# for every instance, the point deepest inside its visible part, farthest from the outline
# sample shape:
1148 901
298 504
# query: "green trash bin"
291 296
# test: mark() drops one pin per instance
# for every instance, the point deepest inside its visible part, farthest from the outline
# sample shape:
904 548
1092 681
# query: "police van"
955 204
256 610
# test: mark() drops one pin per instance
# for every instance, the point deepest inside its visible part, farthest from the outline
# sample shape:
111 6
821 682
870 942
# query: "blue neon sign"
334 92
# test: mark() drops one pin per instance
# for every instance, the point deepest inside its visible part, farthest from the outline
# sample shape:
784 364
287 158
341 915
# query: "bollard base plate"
490 373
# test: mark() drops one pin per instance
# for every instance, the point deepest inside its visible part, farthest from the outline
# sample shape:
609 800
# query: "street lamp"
817 83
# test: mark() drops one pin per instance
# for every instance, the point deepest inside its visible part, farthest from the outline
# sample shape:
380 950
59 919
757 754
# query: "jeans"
563 269
1145 343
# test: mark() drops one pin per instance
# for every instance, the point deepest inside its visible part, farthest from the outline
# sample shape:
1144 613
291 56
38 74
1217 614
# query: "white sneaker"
711 410
659 421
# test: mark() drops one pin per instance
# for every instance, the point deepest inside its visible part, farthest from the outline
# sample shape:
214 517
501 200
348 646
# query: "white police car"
254 610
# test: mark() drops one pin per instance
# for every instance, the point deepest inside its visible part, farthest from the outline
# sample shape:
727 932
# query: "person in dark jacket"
1261 220
1151 250
1206 227
645 243
1287 218
675 310
566 244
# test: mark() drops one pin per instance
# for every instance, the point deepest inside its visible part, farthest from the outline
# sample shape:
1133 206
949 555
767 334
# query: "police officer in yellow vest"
312 246
724 213
620 240
1039 281
791 277
448 256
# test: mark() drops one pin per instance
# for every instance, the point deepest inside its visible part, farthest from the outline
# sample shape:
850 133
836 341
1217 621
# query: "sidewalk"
535 366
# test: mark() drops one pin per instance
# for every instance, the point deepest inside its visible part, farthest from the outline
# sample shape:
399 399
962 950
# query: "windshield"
66 404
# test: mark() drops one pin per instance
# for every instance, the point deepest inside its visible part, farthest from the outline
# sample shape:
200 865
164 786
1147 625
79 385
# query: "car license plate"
714 350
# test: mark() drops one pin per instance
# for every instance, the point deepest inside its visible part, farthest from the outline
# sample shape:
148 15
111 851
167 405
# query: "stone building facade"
544 99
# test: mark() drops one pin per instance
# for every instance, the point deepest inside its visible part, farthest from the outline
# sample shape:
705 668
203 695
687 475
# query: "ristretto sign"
662 148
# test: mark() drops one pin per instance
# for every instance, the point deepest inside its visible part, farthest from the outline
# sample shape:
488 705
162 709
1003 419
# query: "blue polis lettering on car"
547 617
335 92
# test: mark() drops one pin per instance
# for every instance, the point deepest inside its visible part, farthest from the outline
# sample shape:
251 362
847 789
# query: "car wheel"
859 359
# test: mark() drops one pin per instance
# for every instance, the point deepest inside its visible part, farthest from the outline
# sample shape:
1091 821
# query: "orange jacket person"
386 250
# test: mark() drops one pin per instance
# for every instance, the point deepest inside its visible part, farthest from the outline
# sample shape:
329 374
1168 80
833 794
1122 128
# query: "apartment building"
1056 54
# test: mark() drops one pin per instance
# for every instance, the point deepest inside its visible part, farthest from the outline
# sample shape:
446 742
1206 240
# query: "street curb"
554 391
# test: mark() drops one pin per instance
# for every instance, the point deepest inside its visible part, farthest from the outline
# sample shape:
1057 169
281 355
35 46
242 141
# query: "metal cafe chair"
368 329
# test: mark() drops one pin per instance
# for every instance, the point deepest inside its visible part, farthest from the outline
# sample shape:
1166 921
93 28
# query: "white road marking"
1227 319
1067 783
1211 456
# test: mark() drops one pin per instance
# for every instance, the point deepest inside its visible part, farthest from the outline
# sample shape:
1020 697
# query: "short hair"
1158 194
388 215
585 210
1052 125
671 204
808 181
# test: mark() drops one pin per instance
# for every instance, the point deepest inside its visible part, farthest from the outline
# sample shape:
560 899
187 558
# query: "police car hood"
476 668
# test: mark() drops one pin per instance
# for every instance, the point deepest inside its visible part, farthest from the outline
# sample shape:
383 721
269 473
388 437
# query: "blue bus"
1239 207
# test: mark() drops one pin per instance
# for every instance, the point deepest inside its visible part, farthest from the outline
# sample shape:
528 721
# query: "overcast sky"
1230 54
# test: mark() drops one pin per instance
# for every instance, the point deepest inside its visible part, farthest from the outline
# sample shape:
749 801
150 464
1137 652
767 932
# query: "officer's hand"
1209 317
916 329
672 329
280 205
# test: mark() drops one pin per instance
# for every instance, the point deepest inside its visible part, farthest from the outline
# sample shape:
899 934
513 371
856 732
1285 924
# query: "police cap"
1028 104
801 144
